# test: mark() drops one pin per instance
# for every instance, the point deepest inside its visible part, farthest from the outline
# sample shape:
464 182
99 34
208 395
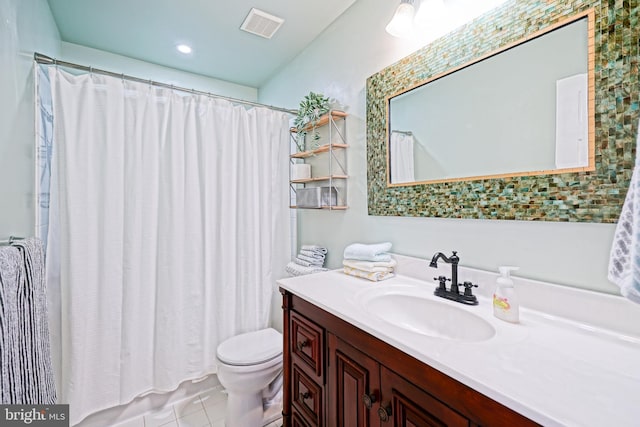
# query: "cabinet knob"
369 399
384 412
305 395
302 344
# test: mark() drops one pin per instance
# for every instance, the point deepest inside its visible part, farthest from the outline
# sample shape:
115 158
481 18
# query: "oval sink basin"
417 313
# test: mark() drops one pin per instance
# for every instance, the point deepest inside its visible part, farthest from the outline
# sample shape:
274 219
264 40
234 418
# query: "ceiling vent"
261 23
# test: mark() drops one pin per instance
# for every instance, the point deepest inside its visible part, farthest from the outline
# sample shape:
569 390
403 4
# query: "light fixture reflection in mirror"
525 110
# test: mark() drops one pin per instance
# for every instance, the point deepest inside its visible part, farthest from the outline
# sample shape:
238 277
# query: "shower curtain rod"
46 60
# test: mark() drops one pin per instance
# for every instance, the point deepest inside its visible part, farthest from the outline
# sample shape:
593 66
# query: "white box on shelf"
300 171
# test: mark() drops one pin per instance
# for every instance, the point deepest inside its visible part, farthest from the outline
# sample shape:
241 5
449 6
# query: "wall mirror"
593 193
524 109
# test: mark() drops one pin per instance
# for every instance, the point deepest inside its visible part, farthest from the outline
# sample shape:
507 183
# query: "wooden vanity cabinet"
352 376
336 375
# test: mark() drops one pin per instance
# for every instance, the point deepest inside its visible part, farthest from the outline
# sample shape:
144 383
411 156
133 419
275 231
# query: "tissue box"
316 197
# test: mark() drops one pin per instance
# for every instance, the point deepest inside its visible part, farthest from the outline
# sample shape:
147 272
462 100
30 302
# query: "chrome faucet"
453 293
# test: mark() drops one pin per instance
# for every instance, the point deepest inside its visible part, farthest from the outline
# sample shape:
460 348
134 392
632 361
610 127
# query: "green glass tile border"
578 197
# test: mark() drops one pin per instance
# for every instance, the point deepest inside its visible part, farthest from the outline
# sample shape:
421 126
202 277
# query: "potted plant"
312 107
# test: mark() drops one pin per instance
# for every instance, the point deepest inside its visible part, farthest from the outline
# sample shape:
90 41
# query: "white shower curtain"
168 229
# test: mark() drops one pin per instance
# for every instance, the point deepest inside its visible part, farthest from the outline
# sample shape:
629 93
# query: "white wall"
101 59
337 64
25 26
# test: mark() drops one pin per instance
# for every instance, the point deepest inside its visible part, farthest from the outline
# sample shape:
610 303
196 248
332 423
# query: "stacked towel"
311 256
310 259
372 262
375 252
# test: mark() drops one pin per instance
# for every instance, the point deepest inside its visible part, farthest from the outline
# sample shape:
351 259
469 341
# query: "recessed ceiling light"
183 48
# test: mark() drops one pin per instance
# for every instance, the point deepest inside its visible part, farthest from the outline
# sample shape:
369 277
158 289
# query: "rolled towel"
314 248
367 266
373 276
312 261
363 252
299 270
302 262
311 254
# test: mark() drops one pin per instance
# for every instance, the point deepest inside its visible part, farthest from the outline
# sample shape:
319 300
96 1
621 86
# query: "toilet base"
243 410
247 411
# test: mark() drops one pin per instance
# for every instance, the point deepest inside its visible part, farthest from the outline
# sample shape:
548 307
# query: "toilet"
250 369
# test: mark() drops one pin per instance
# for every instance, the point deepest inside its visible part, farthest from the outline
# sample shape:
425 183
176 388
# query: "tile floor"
204 410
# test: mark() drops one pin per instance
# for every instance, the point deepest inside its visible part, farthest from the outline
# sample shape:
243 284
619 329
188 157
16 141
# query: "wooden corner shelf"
323 120
318 178
329 208
330 163
321 149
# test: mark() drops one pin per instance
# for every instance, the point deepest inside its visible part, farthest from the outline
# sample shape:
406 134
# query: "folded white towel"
366 266
373 276
310 260
370 265
311 254
363 252
314 248
299 270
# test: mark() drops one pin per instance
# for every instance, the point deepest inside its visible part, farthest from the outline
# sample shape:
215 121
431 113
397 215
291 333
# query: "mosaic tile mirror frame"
595 196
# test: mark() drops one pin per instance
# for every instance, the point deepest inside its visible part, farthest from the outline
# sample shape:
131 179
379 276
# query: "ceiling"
149 30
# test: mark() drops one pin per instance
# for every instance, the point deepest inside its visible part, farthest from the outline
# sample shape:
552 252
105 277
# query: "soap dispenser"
505 301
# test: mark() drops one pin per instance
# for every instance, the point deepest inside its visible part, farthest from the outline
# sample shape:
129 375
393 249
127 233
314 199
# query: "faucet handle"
442 280
468 288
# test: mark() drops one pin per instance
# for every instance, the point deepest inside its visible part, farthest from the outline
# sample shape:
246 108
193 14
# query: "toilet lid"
251 348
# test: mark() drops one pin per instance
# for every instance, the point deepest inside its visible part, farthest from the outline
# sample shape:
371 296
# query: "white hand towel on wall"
572 126
26 375
624 261
401 152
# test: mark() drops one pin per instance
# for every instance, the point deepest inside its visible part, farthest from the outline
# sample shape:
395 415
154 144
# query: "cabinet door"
408 406
354 386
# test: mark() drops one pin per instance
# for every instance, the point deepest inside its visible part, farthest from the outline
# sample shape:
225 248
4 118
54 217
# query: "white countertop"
556 370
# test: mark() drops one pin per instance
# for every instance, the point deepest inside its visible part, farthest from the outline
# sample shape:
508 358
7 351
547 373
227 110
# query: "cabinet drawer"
307 397
298 421
307 344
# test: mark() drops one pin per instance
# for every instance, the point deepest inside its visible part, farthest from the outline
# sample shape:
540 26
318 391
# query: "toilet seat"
251 348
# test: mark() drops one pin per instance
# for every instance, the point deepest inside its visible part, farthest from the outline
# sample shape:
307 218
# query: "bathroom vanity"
360 353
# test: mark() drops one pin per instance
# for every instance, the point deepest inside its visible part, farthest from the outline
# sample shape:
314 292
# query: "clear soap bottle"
505 300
